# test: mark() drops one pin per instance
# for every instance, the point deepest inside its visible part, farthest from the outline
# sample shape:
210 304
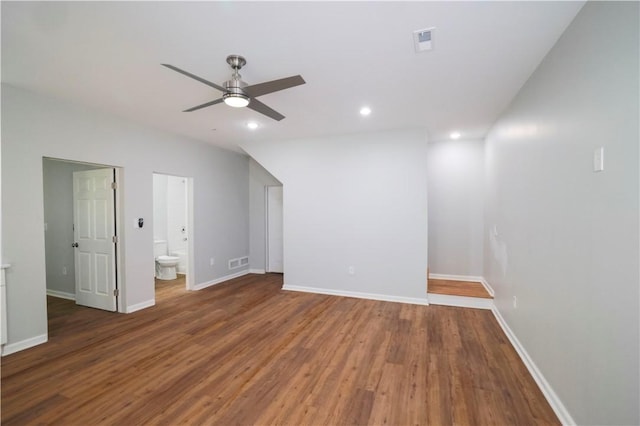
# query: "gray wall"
561 238
259 178
456 204
58 217
35 126
357 200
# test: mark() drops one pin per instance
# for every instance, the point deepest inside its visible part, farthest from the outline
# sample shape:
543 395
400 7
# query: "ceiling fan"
237 93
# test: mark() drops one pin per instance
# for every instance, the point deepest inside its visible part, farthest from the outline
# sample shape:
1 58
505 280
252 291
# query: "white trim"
356 294
488 287
460 301
220 280
553 399
11 348
139 306
190 281
120 232
257 271
61 294
470 278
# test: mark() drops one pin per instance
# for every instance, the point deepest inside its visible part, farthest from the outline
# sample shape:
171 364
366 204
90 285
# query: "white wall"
35 126
259 178
562 238
456 207
358 200
58 217
160 206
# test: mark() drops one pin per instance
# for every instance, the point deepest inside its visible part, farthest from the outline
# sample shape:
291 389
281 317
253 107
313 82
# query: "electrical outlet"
212 261
351 270
515 302
64 270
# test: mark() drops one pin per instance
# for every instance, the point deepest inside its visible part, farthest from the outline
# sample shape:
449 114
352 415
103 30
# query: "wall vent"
238 262
423 39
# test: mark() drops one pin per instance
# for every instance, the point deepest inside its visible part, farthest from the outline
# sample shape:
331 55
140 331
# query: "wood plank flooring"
458 288
246 352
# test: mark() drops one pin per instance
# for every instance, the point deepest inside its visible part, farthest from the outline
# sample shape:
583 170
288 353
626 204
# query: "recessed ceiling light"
252 125
455 135
365 111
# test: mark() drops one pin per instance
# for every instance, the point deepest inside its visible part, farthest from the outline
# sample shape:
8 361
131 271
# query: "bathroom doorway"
172 234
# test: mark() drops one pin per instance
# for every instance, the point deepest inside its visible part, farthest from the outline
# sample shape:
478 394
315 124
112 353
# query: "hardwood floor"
246 352
168 289
458 288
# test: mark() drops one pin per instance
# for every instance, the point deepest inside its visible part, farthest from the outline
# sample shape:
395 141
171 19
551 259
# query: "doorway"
81 211
172 234
274 235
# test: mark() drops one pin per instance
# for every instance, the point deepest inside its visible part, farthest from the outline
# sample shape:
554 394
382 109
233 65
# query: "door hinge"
114 239
116 292
114 185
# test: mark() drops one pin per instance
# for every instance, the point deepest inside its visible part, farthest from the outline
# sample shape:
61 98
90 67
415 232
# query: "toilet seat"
168 260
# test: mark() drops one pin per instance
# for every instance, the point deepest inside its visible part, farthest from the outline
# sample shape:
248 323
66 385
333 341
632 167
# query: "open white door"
94 236
274 229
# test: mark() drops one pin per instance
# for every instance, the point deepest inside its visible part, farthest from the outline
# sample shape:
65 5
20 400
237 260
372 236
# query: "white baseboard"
61 294
488 287
11 348
220 280
460 301
471 278
548 392
257 271
139 306
370 296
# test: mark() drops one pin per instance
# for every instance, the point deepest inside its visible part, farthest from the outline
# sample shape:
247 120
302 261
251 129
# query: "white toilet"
165 265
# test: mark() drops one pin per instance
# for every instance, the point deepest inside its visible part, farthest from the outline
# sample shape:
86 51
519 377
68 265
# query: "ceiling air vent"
423 39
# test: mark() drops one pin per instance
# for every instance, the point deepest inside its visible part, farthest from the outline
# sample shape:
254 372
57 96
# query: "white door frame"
266 227
119 216
190 282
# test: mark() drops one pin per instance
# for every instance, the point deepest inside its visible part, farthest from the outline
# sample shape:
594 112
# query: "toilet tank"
159 248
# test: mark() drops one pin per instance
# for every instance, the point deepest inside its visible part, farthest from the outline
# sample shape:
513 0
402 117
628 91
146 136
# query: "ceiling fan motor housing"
234 90
235 85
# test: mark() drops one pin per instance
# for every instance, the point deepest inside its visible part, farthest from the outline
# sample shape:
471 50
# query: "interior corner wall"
36 126
259 179
456 207
353 201
58 219
563 239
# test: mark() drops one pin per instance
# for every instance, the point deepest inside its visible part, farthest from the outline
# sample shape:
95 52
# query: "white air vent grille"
238 262
423 39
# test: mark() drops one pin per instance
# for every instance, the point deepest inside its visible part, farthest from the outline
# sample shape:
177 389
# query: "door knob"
74 245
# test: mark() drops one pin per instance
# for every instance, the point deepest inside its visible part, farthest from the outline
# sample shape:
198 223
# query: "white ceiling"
107 55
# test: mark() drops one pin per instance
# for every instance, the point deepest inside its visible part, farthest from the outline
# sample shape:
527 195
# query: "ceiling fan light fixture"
236 100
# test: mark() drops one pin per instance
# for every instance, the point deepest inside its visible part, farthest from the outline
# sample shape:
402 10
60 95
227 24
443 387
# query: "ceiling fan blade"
217 101
258 106
195 77
273 86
